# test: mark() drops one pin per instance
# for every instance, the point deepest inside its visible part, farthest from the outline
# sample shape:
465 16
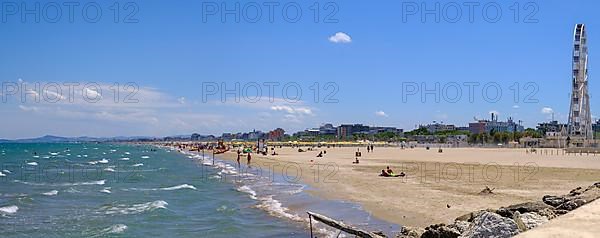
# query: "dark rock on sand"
572 205
460 226
524 208
470 216
440 231
548 213
410 232
560 212
575 198
554 201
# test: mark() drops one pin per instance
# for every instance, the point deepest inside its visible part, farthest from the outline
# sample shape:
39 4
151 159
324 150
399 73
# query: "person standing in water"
249 158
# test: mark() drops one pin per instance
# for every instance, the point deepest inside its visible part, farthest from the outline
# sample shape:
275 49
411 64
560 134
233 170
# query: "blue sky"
177 47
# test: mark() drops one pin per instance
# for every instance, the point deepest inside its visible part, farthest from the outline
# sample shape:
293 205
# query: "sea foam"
136 208
115 229
248 190
99 182
8 210
182 186
51 193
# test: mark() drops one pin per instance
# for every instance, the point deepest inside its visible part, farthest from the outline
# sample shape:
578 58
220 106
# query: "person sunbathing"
356 161
389 171
384 174
398 175
320 154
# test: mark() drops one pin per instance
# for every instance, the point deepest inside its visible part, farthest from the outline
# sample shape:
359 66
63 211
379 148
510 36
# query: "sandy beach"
580 223
439 186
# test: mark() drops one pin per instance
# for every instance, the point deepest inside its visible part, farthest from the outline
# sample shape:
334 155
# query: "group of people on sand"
390 173
369 148
239 157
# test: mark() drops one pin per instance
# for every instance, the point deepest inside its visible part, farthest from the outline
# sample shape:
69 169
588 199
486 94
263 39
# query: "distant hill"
59 139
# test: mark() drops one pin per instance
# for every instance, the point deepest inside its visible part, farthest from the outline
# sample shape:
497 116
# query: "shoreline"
288 199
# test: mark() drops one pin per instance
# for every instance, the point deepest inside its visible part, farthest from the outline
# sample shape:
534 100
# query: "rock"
470 216
460 226
519 222
532 219
576 198
523 208
554 201
440 231
572 205
548 213
410 232
576 191
560 212
591 193
491 225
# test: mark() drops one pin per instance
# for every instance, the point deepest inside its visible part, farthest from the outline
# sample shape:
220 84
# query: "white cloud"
516 106
92 95
292 110
340 37
32 92
547 110
51 95
28 109
381 114
304 110
148 111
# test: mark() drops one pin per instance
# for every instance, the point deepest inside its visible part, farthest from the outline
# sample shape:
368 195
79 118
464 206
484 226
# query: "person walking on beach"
238 158
368 149
249 158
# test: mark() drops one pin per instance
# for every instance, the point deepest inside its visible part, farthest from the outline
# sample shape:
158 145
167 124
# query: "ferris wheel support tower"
580 117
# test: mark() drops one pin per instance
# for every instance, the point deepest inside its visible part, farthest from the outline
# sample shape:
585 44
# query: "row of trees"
503 137
441 136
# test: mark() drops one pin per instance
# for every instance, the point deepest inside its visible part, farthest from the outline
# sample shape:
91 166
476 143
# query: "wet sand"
439 186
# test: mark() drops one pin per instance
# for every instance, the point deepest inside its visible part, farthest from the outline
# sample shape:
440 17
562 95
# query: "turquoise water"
123 190
89 190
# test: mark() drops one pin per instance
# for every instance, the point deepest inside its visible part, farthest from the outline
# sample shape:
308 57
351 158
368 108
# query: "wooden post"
343 227
310 221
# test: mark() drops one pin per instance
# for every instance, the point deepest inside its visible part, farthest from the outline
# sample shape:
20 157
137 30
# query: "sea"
135 190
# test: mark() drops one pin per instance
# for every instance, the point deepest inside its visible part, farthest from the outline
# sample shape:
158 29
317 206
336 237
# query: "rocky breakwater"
508 221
